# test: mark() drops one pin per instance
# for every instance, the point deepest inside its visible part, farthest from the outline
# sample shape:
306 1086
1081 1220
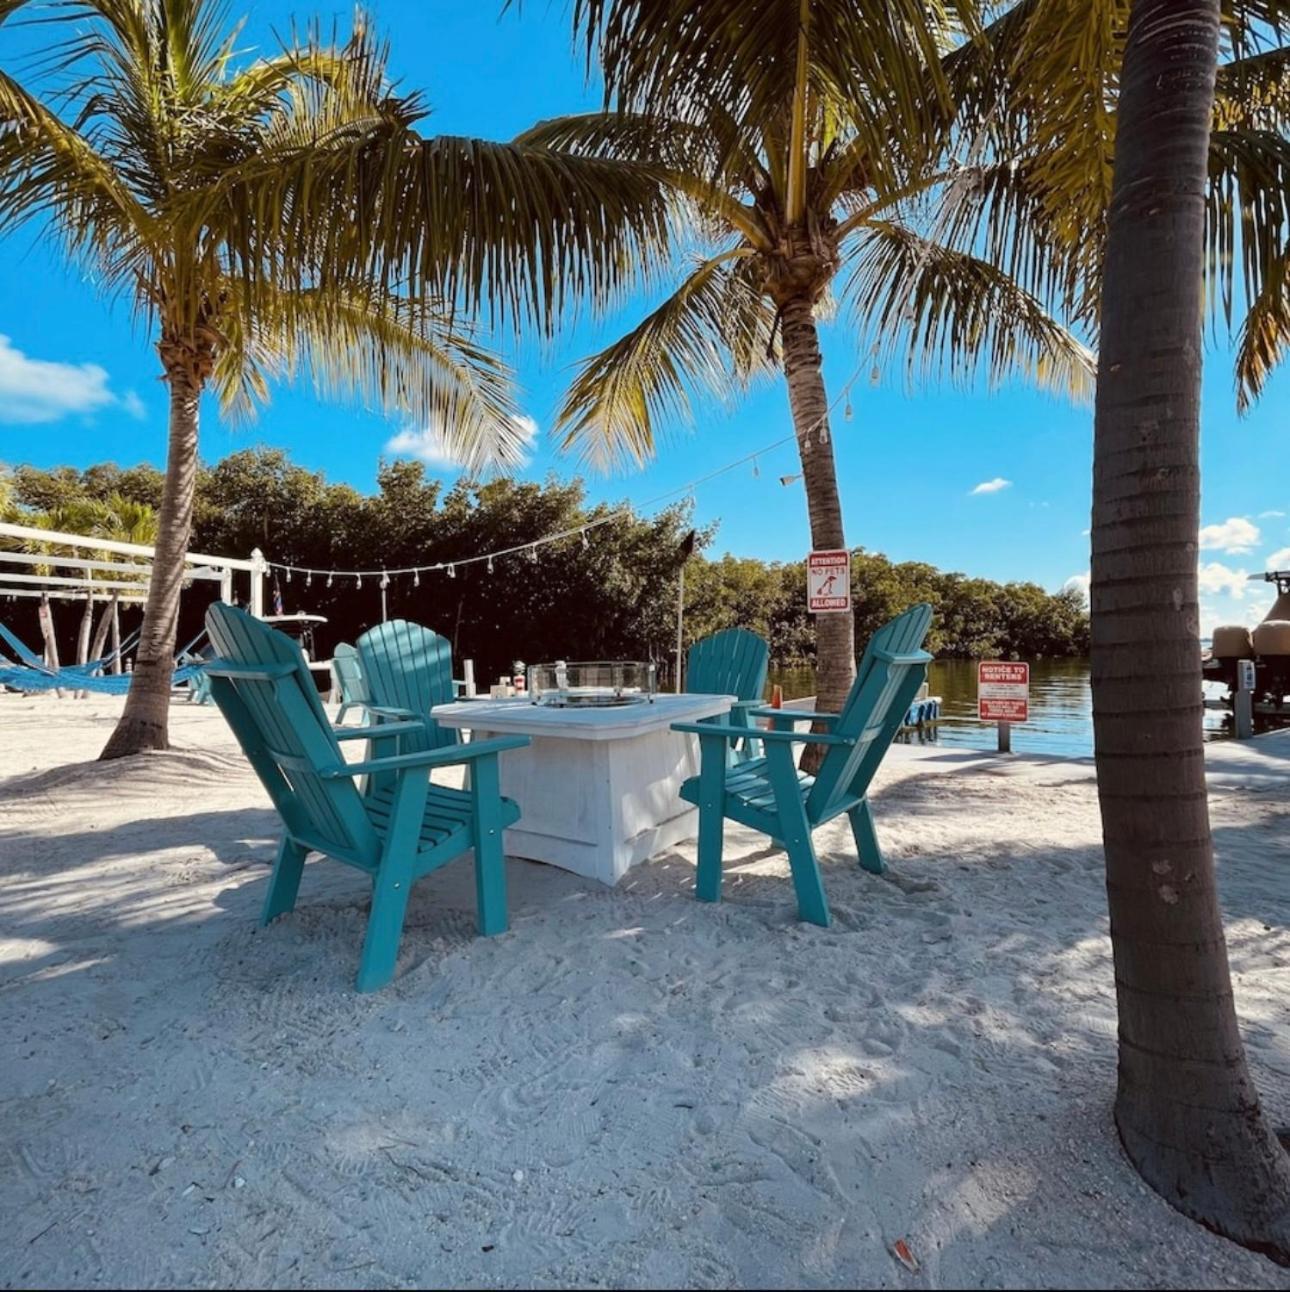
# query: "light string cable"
575 531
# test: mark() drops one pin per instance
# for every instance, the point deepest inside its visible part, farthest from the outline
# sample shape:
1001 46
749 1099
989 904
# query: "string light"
686 491
846 412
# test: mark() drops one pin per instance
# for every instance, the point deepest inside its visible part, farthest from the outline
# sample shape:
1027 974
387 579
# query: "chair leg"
795 831
390 892
490 860
862 831
712 822
284 883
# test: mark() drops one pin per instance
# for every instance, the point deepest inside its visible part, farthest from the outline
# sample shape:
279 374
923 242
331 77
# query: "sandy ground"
628 1088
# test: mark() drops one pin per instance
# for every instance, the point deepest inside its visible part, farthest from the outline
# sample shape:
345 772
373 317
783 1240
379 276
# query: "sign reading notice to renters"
828 581
1002 691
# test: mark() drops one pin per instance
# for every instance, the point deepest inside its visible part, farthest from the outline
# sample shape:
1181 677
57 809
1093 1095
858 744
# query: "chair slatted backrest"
891 671
279 721
409 667
731 662
349 673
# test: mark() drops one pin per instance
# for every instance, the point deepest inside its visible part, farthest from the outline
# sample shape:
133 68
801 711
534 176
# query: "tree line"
614 597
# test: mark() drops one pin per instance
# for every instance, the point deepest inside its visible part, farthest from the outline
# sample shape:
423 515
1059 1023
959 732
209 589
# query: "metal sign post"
1003 696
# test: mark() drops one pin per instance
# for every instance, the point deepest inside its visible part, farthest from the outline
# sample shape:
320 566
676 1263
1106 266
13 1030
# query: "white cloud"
1079 582
1217 579
1278 560
428 445
992 486
133 405
1234 536
38 390
1271 514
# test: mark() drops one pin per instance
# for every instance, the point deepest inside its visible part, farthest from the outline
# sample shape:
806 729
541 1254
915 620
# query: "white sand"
628 1088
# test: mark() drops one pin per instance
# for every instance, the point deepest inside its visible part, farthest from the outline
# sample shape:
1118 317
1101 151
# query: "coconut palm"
283 215
803 168
1163 127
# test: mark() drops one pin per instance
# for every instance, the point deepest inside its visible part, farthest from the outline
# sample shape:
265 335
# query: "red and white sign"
828 581
1002 691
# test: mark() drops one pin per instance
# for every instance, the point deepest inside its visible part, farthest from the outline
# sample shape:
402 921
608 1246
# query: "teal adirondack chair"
771 795
408 670
403 828
731 662
349 674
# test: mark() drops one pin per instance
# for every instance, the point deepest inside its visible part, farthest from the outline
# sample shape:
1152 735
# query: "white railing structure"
200 566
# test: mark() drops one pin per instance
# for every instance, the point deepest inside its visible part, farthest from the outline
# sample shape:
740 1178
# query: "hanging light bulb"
533 554
756 468
490 565
359 583
585 544
288 574
416 578
329 580
452 571
846 412
824 432
385 579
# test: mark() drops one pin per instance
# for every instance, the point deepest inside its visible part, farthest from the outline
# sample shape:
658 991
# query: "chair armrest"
794 715
743 733
250 672
910 657
430 757
389 711
368 733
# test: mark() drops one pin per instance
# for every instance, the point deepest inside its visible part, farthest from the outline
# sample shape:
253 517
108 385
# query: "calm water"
1061 707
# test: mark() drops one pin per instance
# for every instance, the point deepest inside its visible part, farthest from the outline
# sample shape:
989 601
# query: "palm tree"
1135 128
803 169
284 215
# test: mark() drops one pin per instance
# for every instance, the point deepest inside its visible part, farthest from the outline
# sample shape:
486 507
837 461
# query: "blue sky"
78 380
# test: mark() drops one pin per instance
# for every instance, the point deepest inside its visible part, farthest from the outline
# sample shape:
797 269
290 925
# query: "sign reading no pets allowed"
828 581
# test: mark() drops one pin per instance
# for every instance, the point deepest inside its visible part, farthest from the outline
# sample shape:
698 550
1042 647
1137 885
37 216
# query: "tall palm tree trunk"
144 723
118 664
834 632
1186 1108
99 643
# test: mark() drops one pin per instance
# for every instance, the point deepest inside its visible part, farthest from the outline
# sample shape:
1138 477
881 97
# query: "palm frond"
405 358
948 313
713 333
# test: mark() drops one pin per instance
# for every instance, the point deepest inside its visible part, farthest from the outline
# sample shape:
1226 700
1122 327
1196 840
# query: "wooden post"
1243 701
1005 737
680 614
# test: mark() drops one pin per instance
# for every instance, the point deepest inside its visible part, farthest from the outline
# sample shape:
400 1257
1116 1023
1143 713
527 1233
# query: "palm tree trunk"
1186 1108
118 664
83 637
101 632
144 723
835 657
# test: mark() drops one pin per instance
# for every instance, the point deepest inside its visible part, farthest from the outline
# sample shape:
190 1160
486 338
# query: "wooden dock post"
1243 700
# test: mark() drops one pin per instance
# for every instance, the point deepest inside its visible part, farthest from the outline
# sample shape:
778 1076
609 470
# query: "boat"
1266 646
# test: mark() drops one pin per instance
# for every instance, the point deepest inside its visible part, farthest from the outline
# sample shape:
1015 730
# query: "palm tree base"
1240 1196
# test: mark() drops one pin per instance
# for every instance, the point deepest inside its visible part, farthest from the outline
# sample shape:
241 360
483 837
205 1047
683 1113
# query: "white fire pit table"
598 788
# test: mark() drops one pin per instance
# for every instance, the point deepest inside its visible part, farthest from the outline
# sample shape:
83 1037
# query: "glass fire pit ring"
592 684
